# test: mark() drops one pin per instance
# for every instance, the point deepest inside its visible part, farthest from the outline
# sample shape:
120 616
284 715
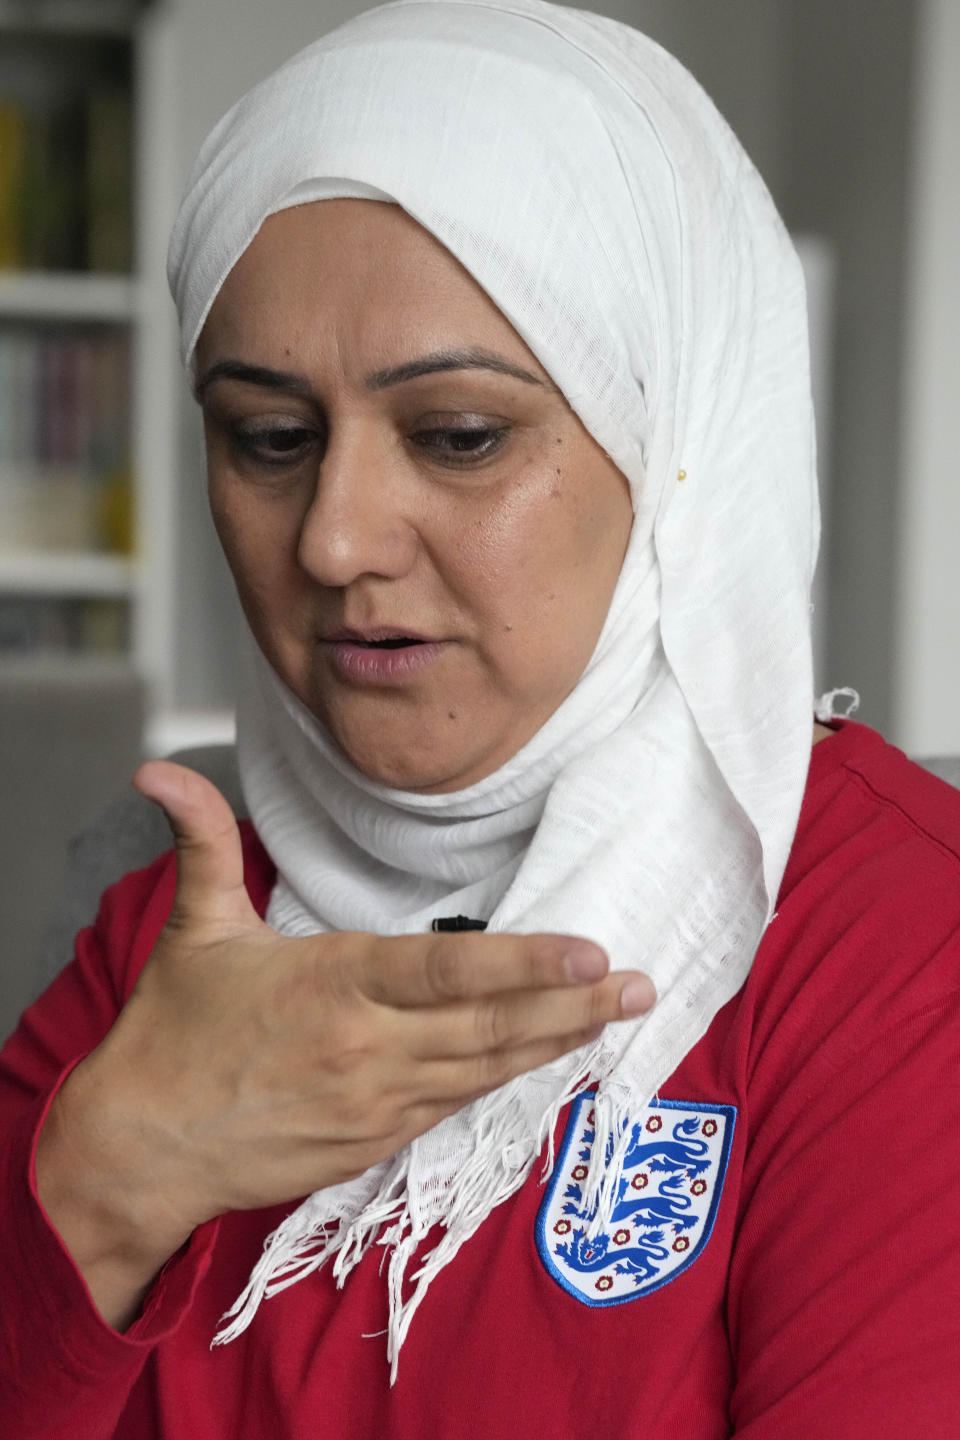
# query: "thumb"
209 853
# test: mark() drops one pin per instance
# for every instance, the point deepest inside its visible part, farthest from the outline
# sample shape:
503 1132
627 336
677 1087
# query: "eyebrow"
440 360
449 360
250 375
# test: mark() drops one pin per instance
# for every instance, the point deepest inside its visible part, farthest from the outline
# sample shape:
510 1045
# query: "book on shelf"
109 165
64 447
54 625
13 147
66 181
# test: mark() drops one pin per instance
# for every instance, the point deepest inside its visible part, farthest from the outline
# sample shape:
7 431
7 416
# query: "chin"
418 770
405 774
411 745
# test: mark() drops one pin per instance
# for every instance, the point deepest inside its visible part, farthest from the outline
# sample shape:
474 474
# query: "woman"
502 355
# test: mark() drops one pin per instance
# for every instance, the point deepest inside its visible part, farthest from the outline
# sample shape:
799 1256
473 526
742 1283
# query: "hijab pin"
682 475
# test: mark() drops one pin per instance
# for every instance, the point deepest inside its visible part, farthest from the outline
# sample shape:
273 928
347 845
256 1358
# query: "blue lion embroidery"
593 1255
666 1199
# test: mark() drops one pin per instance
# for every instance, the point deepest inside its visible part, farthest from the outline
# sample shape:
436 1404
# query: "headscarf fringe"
826 708
496 1167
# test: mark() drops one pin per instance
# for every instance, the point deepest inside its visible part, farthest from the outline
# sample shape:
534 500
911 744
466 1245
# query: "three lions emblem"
666 1201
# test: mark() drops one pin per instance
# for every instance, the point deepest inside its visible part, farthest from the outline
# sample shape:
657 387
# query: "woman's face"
424 538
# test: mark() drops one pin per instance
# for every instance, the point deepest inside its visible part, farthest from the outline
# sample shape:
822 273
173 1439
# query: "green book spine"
109 178
13 147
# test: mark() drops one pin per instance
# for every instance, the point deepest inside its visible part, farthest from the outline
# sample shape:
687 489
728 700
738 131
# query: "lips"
375 637
380 655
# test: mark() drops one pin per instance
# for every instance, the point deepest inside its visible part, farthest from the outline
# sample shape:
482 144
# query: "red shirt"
824 1301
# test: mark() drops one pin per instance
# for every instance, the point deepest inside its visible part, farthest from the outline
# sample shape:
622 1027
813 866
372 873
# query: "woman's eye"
274 444
461 444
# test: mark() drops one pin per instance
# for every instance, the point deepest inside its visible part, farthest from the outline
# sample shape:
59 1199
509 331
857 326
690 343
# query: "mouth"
393 643
377 638
381 655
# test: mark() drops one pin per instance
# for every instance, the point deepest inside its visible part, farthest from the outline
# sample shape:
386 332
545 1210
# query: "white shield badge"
666 1201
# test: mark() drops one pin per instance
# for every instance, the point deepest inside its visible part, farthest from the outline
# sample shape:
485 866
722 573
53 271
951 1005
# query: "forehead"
359 279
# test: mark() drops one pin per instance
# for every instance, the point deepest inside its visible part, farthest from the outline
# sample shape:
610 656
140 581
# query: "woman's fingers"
416 971
210 886
498 1023
453 1083
316 1050
478 1009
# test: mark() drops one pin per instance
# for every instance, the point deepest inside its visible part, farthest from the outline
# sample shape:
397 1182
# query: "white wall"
847 92
928 632
225 46
736 49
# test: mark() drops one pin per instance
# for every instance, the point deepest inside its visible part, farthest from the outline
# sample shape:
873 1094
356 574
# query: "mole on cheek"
451 714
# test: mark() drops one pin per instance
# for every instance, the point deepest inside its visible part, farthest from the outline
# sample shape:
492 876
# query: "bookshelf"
88 371
52 295
69 17
49 572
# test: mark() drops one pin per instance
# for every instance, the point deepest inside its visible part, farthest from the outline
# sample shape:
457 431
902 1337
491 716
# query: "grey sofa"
128 833
69 735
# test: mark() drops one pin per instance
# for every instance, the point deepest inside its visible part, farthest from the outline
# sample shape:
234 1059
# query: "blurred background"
118 628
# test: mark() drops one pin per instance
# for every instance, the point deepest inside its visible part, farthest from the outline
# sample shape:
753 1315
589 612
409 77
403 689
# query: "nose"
355 525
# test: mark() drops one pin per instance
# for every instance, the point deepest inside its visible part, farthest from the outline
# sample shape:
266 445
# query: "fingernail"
637 997
585 961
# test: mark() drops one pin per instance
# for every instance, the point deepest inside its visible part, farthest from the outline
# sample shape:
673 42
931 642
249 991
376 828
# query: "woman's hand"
249 1068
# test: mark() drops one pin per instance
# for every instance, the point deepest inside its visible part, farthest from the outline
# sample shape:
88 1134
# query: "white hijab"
584 179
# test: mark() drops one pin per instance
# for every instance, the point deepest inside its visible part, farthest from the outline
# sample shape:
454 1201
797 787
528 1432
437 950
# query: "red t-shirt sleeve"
844 1283
63 1370
847 1270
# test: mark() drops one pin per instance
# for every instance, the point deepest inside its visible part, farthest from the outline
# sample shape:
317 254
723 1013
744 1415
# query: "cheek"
232 532
554 531
259 538
540 567
501 563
